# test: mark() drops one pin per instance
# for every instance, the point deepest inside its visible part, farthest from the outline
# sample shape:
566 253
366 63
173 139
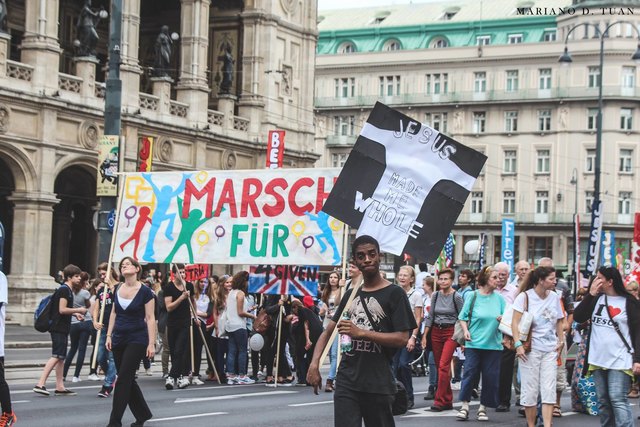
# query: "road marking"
20 401
53 389
295 405
232 396
182 417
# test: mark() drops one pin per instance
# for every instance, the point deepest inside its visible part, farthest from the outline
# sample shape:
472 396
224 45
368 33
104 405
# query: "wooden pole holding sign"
108 278
206 347
345 248
280 318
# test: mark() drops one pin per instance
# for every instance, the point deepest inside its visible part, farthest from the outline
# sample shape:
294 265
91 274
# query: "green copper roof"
414 26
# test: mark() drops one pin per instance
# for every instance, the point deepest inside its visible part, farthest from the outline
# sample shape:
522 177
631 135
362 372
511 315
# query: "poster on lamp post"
108 163
145 153
275 149
508 242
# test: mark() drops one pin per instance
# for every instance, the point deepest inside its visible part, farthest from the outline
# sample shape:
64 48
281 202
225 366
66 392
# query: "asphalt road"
212 404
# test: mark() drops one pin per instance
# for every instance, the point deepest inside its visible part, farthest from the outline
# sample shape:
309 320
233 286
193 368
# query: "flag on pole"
404 184
445 260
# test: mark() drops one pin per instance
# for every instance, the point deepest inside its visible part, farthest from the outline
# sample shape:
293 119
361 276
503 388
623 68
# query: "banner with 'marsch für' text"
229 217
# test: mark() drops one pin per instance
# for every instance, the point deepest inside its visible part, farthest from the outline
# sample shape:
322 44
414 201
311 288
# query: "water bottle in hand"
345 340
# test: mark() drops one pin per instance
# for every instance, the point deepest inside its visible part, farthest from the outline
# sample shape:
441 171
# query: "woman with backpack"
613 347
446 304
480 318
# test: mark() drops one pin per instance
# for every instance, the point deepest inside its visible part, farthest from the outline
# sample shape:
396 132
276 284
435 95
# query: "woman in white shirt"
538 367
236 328
613 347
331 296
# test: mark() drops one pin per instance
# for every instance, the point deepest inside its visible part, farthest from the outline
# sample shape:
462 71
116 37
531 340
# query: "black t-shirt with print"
180 315
315 325
61 322
108 304
367 367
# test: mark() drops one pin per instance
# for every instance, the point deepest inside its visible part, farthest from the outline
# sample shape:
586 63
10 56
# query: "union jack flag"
284 280
445 259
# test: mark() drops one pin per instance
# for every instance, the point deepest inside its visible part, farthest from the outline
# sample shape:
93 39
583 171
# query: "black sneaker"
104 392
65 392
41 390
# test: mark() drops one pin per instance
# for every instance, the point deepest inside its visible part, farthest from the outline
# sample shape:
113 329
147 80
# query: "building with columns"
52 107
487 74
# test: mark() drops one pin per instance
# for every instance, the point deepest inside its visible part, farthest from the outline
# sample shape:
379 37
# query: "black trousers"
5 396
180 350
506 376
197 347
350 408
127 392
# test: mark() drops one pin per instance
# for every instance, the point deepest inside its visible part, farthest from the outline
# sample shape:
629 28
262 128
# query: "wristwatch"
414 337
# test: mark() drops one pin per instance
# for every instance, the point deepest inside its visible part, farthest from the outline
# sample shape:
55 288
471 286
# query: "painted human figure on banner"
322 219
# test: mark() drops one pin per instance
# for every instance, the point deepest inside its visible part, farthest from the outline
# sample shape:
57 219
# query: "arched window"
439 43
392 44
347 47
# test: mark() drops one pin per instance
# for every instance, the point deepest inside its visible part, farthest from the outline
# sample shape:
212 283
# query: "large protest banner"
284 279
404 183
229 217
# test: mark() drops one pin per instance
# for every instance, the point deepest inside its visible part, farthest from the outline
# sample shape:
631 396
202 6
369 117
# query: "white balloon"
471 247
256 342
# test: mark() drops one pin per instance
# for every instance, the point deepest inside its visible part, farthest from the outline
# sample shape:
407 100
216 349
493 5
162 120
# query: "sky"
347 4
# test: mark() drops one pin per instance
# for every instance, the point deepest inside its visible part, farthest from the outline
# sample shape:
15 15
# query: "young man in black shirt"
61 312
366 386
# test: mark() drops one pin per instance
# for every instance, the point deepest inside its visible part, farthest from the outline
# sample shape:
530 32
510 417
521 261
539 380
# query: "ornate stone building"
52 105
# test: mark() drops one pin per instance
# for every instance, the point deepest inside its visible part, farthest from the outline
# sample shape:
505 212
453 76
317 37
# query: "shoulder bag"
617 327
458 332
401 399
508 341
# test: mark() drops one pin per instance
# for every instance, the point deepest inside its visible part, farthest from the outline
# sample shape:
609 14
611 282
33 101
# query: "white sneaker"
232 380
76 380
94 377
196 381
183 382
455 386
148 372
244 380
169 383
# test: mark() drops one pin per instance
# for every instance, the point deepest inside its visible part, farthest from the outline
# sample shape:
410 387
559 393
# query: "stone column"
162 89
86 69
192 87
130 70
40 47
31 254
226 105
5 40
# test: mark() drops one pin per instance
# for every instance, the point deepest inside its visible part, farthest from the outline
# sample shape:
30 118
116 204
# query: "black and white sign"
593 249
404 183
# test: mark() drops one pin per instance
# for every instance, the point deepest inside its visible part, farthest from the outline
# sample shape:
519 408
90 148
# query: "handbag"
508 341
458 332
401 399
617 327
262 322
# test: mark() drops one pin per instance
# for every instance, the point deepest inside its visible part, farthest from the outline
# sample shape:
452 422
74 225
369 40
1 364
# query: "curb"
24 365
28 344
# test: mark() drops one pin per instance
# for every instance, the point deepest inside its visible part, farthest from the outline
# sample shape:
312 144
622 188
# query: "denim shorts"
59 345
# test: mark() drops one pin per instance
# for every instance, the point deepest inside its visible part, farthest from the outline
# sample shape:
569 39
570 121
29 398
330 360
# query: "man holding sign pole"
379 322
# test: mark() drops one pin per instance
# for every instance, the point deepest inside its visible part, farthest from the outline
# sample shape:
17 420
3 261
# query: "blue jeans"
79 335
612 387
237 354
333 356
402 370
433 371
105 360
487 363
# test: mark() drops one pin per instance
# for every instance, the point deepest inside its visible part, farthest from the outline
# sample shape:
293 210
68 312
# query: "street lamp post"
565 58
596 211
112 123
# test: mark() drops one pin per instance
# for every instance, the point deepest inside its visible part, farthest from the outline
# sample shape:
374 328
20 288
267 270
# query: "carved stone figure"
163 49
87 37
227 71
